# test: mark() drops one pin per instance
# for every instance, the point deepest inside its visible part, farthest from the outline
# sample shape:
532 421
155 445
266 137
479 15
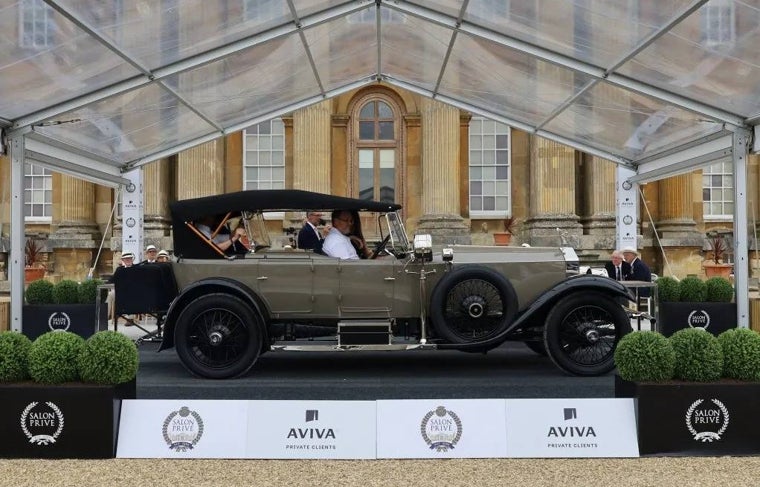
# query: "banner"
311 429
182 429
441 428
547 428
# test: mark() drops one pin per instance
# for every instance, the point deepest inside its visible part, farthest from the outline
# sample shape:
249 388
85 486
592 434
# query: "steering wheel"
381 246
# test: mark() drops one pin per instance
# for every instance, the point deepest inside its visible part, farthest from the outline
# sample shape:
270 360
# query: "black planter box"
695 418
713 317
76 318
72 420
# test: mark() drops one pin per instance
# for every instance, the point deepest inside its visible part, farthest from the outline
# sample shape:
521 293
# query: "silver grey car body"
229 309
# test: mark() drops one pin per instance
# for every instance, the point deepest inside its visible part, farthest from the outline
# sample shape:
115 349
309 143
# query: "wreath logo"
182 429
441 429
44 420
707 436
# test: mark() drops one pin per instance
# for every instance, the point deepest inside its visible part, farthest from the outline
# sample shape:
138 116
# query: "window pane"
386 131
367 130
384 111
366 158
368 111
264 164
387 157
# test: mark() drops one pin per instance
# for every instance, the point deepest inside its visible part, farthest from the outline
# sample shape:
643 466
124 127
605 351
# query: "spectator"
617 268
150 254
127 259
639 270
163 256
309 237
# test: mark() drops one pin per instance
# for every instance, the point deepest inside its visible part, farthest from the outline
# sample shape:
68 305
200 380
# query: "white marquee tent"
96 89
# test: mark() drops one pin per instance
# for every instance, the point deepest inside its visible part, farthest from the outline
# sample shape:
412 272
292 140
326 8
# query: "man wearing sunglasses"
338 243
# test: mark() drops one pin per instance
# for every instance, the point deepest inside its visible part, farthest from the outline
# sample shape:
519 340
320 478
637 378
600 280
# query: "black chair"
145 289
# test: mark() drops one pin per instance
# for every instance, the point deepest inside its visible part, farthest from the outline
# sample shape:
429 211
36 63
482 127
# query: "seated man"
338 243
222 240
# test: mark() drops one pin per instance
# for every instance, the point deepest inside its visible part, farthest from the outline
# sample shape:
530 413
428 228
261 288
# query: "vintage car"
229 309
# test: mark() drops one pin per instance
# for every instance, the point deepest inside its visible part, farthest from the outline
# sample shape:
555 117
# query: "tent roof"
638 83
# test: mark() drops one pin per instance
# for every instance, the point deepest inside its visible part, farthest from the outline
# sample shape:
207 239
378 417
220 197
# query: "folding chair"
146 289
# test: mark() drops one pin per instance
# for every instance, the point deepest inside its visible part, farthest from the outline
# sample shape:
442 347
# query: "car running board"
334 347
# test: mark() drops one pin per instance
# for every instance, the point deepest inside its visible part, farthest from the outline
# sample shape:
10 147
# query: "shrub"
88 291
39 292
645 356
14 356
692 290
668 289
53 357
66 292
699 356
741 354
108 357
719 290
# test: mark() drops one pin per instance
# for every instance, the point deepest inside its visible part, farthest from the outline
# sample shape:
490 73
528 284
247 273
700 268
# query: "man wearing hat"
639 270
127 259
150 254
163 256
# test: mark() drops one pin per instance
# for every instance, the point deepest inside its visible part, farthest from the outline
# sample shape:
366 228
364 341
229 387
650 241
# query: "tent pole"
741 249
17 237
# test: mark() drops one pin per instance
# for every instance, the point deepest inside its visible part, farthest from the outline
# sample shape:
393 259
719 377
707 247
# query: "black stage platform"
510 371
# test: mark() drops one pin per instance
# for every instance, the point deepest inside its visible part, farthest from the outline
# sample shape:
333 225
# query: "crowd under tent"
96 89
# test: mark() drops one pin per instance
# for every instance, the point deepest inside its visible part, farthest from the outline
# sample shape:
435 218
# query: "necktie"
618 272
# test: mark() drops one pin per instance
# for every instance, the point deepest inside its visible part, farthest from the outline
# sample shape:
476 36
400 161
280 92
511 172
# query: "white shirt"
206 230
338 245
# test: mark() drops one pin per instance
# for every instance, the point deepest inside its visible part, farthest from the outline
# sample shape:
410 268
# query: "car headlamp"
423 247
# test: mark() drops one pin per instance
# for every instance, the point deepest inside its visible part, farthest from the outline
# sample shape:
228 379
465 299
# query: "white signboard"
311 429
571 428
627 199
458 428
182 429
132 214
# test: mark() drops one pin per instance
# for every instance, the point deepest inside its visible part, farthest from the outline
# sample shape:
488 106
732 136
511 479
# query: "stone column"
75 236
157 184
440 174
552 194
676 226
311 147
597 203
200 171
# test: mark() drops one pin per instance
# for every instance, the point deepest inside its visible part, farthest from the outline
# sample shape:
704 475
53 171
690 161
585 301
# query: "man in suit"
639 270
309 236
617 268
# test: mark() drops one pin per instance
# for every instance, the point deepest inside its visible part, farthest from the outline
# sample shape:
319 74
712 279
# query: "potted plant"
503 238
696 304
715 267
62 395
67 306
34 268
695 394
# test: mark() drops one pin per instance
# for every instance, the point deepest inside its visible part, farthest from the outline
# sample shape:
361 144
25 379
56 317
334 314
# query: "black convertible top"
270 200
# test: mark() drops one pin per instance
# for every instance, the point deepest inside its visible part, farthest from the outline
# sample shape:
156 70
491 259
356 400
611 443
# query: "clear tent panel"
157 33
579 29
308 7
629 124
46 59
413 49
711 56
249 83
344 49
130 125
507 82
447 7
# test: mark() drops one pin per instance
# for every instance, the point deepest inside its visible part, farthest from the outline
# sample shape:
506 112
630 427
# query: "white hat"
127 255
630 250
163 252
150 247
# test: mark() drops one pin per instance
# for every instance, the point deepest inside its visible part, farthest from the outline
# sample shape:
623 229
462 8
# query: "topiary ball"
719 290
66 292
108 357
741 354
14 356
645 356
53 357
39 292
692 290
88 291
668 290
699 356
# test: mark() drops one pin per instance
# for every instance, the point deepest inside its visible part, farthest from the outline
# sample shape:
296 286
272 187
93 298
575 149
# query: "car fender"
206 286
584 282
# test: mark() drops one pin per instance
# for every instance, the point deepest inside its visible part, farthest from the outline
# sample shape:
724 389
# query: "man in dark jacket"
617 268
309 237
639 270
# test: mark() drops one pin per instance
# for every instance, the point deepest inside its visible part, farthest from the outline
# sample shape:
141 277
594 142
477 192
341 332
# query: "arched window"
377 152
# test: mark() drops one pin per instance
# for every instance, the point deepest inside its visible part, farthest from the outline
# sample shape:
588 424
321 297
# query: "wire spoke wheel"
217 338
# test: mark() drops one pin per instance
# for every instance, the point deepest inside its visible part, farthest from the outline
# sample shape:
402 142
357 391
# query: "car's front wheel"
582 331
218 336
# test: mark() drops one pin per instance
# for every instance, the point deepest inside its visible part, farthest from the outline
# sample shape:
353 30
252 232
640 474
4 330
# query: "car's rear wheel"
471 304
582 331
218 336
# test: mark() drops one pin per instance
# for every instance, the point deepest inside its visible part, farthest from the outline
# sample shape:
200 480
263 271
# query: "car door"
286 280
366 288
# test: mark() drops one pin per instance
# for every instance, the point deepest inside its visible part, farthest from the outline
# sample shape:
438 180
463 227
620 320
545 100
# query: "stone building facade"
384 142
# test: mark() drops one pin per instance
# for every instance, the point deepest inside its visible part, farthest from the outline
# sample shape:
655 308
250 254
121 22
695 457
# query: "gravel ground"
660 472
